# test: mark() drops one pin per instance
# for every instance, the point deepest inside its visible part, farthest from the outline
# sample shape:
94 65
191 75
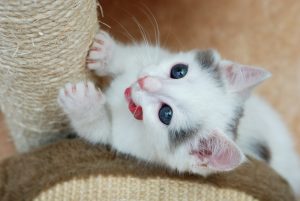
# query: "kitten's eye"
165 114
179 71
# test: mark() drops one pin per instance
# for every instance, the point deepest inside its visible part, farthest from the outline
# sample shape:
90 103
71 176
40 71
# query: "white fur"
196 99
261 122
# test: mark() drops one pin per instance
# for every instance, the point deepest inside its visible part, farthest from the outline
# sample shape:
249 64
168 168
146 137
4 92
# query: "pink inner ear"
218 152
241 77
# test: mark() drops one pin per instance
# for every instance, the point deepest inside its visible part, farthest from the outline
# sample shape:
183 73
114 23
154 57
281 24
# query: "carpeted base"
76 170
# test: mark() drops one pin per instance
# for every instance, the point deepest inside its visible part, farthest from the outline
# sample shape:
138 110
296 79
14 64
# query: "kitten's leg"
108 57
85 107
100 54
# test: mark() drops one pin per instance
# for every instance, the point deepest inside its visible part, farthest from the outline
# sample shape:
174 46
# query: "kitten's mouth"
136 110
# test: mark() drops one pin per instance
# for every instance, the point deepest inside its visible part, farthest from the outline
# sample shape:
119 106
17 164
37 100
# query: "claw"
95 49
91 61
100 42
74 88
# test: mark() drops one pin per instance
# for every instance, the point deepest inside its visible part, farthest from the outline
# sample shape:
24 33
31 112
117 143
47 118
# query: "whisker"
127 33
153 21
169 33
179 42
155 26
101 22
142 31
144 36
101 9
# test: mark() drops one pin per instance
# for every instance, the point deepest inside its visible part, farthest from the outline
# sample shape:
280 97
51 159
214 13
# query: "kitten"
186 110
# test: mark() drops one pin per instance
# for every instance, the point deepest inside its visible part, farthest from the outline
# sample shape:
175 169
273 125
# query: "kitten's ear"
218 152
242 78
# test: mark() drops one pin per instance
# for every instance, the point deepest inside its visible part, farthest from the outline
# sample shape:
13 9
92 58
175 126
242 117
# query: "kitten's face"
184 103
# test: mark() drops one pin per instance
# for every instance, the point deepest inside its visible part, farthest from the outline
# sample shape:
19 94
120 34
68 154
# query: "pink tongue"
127 94
137 111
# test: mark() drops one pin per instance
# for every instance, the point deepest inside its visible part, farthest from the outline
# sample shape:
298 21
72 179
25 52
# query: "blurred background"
262 33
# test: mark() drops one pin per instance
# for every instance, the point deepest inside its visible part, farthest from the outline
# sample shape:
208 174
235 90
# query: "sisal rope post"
43 45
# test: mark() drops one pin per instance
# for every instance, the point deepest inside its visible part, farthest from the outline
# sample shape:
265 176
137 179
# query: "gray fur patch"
206 58
235 121
177 137
207 61
262 150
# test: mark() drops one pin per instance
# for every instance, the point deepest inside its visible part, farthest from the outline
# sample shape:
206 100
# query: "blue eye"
165 114
179 71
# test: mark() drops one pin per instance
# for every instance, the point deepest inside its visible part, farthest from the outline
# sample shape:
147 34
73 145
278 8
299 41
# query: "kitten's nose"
149 83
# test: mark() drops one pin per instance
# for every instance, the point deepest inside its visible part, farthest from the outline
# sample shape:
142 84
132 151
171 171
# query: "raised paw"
80 99
100 53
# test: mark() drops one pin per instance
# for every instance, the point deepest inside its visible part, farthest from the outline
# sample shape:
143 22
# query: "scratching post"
43 45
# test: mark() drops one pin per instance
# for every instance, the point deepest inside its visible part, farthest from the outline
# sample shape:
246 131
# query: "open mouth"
136 110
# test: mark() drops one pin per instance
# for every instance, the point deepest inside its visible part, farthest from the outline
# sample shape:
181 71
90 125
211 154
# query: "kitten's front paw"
100 53
81 98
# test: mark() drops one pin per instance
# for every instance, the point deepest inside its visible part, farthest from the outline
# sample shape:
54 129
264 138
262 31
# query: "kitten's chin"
195 168
188 164
202 171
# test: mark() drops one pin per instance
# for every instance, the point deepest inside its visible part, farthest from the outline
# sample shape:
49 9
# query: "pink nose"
149 83
141 81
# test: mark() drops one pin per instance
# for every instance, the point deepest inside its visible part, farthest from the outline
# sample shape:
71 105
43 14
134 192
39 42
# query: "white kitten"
182 110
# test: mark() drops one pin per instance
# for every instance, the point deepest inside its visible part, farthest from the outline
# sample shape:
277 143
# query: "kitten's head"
191 104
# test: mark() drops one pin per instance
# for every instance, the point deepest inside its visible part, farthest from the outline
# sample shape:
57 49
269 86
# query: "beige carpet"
264 33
